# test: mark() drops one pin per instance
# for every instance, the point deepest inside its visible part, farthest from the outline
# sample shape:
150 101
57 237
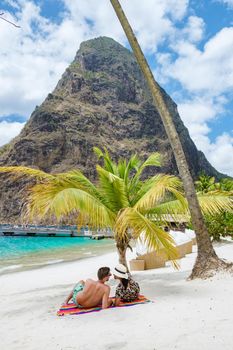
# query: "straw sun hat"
120 271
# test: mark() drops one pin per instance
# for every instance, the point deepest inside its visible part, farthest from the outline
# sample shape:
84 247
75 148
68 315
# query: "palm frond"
171 207
113 188
155 190
124 172
213 203
98 152
76 179
121 168
155 237
52 198
109 165
155 159
133 164
26 171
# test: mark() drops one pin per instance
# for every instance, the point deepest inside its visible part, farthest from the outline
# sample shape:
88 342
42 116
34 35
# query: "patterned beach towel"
72 309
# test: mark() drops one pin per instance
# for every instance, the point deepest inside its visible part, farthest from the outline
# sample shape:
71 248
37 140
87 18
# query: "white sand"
185 315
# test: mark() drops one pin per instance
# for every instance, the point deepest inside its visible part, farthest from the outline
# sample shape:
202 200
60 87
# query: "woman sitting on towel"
127 290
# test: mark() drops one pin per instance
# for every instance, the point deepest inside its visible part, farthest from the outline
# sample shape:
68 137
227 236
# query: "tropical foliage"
218 224
205 183
120 199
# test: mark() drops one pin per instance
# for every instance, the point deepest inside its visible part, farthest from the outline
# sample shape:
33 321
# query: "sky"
188 44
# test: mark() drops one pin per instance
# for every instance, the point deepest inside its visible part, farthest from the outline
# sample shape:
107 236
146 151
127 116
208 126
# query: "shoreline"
108 258
31 260
184 315
62 273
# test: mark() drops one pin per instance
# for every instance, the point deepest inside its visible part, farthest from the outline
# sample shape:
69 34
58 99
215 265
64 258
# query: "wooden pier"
29 231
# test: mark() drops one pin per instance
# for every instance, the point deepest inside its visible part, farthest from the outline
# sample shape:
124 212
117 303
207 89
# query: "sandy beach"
184 315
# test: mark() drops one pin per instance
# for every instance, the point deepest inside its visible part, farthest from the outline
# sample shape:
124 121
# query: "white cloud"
152 20
219 153
227 2
198 111
196 114
9 131
193 31
210 70
206 78
222 153
33 58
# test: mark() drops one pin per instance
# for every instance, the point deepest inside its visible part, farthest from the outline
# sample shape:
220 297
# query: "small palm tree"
120 200
205 183
225 184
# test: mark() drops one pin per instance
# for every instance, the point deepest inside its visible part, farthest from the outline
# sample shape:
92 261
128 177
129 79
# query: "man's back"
93 293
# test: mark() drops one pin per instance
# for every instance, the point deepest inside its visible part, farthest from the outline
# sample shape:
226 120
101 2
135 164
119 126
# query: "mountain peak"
103 53
101 43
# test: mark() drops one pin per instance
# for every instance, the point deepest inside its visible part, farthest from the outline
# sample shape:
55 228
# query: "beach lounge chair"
191 234
137 265
183 243
153 260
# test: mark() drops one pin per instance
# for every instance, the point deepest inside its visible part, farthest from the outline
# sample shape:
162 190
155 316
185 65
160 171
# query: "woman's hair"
125 282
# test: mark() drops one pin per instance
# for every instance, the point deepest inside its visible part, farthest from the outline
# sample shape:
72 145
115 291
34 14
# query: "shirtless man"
92 293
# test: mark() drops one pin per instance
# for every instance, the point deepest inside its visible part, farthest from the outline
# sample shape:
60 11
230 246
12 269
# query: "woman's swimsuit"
77 289
130 293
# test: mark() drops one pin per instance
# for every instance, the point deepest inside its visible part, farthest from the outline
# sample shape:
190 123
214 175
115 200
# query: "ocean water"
23 253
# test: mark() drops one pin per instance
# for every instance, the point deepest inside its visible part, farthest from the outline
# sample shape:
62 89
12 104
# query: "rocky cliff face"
101 100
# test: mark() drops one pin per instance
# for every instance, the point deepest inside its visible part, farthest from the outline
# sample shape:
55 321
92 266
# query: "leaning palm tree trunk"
207 260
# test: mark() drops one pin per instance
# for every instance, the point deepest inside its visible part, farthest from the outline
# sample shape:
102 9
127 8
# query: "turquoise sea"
23 253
